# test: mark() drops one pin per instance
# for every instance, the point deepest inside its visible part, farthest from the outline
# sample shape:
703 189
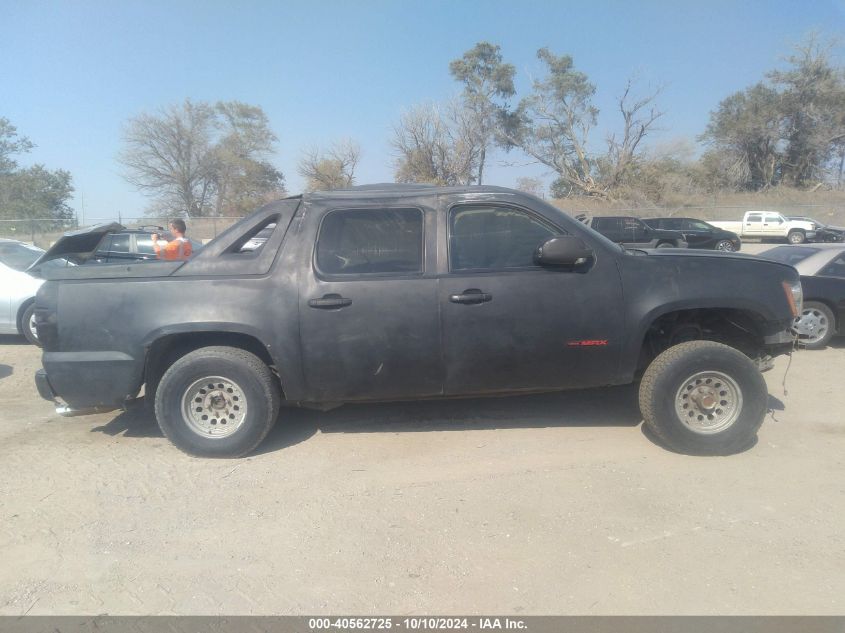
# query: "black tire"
823 318
796 237
26 328
254 382
665 245
666 381
724 245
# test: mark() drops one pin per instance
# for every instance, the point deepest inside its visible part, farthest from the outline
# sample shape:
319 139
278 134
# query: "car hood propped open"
78 246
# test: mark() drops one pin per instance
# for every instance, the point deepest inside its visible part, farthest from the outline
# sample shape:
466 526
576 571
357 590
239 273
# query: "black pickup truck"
390 292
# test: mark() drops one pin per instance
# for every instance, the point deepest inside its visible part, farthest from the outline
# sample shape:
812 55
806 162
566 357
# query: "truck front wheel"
703 398
796 237
217 402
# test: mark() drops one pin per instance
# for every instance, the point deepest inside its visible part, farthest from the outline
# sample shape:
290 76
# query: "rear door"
369 326
636 233
753 225
509 325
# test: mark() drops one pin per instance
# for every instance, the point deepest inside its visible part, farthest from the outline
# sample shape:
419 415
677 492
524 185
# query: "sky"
73 73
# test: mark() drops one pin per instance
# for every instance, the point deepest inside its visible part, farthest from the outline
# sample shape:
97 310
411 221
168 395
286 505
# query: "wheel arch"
164 347
739 325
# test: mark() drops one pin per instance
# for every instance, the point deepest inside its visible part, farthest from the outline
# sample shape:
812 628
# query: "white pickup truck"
770 224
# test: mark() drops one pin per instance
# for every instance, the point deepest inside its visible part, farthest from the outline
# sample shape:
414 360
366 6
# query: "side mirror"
563 250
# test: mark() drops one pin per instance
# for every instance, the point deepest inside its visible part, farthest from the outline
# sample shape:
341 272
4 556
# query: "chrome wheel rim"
32 329
214 407
796 238
708 402
811 326
725 245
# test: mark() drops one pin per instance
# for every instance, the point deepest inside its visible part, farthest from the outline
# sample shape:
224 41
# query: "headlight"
794 296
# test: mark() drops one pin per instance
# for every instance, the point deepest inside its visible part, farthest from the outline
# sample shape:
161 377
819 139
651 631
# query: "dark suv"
698 233
132 244
633 232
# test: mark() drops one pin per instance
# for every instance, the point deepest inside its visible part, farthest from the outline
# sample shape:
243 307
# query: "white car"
18 288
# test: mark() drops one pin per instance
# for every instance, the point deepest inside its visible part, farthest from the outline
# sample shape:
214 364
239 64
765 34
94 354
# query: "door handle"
330 302
471 296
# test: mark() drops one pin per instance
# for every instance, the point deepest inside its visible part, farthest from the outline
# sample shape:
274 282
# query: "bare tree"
201 159
436 144
639 116
534 186
171 155
333 168
552 125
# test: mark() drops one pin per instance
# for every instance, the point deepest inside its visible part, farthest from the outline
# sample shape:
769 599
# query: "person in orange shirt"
178 248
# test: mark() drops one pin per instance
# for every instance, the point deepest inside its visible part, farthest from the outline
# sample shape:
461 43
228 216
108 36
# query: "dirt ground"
553 504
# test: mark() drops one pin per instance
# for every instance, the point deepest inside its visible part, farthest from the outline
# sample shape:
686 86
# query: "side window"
494 238
774 218
754 218
144 244
119 243
836 268
371 241
608 225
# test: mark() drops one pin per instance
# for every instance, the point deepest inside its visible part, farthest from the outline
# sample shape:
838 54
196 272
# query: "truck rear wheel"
217 402
703 398
796 237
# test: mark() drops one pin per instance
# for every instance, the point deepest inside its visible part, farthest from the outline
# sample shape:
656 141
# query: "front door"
509 325
697 234
368 313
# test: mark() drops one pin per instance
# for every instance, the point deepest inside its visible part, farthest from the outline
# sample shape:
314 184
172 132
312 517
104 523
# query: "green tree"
38 193
10 144
813 109
744 136
789 129
35 192
553 124
487 81
243 176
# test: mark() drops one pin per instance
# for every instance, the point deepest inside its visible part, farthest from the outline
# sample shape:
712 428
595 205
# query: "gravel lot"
530 505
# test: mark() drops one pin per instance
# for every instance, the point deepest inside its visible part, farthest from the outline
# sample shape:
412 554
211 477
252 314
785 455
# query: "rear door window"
371 242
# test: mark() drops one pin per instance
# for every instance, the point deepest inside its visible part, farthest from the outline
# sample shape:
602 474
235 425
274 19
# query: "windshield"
790 254
19 256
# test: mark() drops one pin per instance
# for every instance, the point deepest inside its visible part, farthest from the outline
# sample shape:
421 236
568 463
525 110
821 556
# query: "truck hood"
686 253
78 246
